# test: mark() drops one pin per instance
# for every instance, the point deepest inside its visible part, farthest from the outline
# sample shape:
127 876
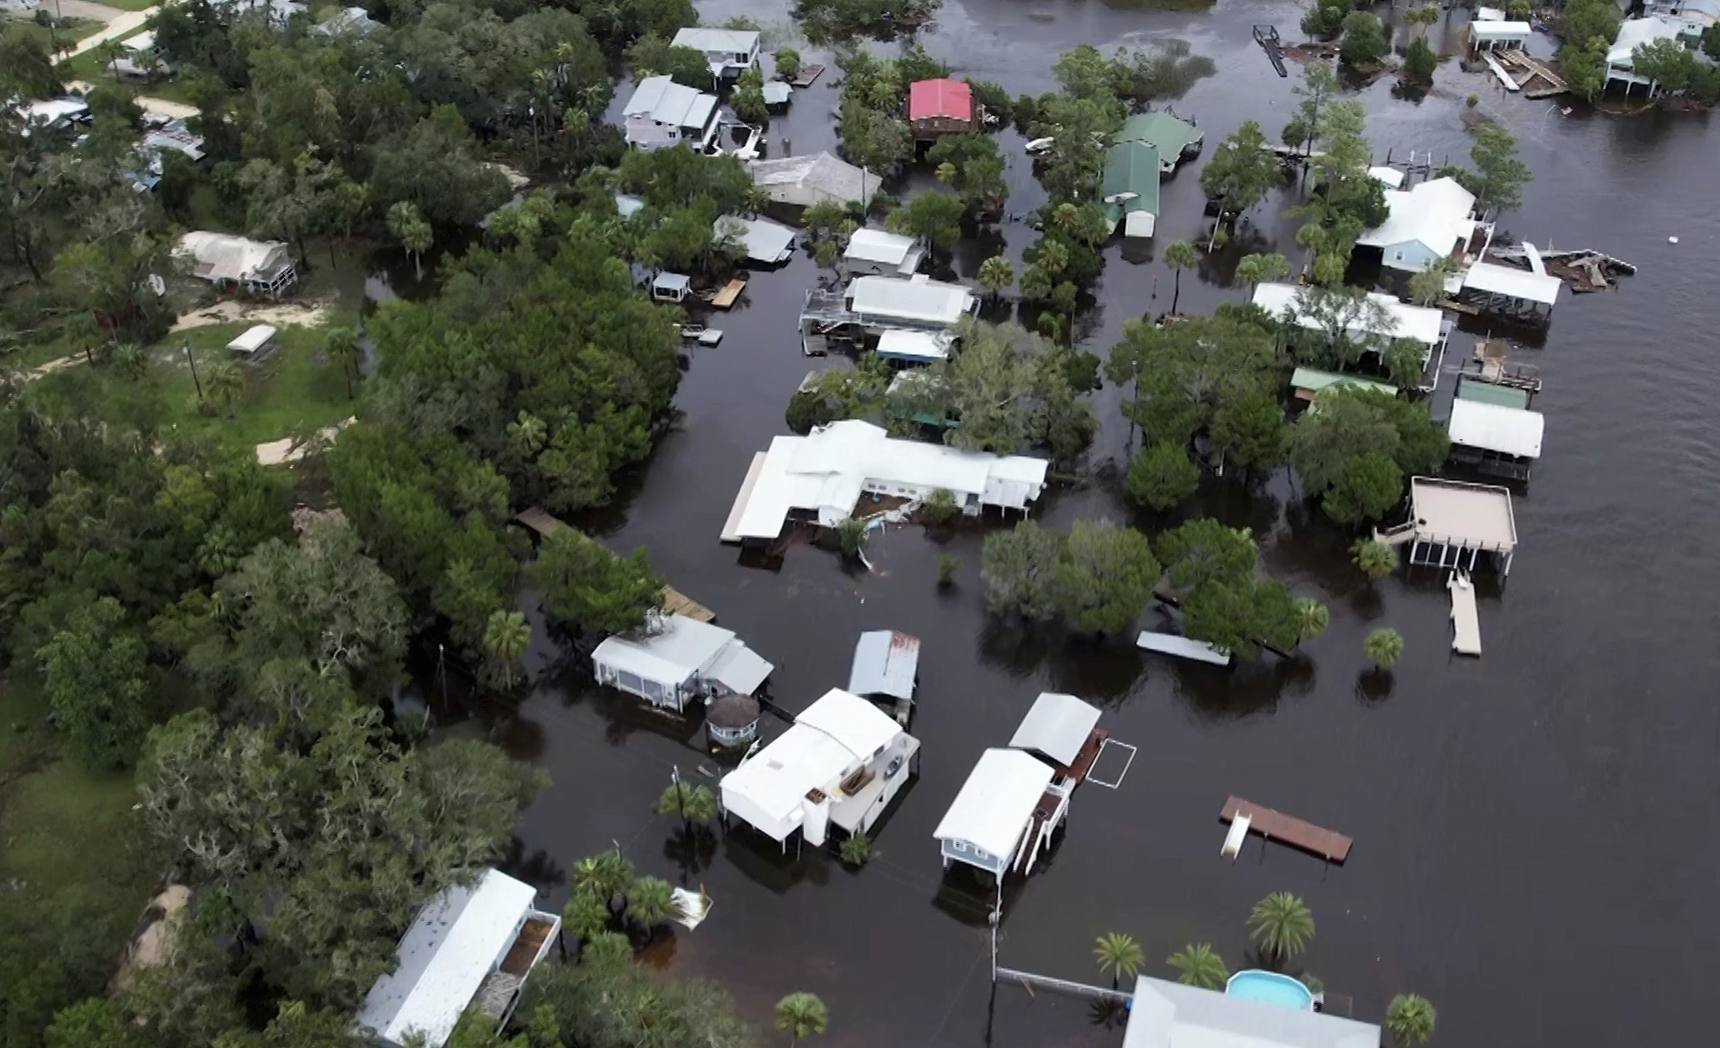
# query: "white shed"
469 947
677 661
1057 726
842 762
990 824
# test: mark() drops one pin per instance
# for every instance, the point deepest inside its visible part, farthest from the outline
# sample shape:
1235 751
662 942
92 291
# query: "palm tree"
692 801
527 434
225 384
132 360
506 637
650 901
1282 924
801 1015
946 173
1410 1018
343 348
604 875
995 274
1375 558
406 225
1255 270
608 950
1197 964
1383 647
1179 255
855 849
1428 286
585 914
1311 618
1118 954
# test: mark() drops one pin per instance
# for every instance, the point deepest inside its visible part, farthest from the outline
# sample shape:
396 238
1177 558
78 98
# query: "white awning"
997 801
1057 726
1493 427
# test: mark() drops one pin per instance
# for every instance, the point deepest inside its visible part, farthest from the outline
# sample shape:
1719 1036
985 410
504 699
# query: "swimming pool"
1270 988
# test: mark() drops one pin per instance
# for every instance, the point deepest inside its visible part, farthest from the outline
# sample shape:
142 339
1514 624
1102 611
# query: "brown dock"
1079 768
731 291
1274 825
808 74
541 521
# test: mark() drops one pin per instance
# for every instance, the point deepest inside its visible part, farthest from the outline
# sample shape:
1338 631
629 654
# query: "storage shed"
879 253
671 287
1056 727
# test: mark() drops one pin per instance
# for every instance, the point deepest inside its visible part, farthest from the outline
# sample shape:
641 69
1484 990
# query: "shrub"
939 507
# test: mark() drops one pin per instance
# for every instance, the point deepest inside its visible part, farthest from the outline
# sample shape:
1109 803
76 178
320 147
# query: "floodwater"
1534 846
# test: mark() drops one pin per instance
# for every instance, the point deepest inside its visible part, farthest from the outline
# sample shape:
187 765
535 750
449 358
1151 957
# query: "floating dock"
541 521
1267 37
808 74
731 291
1181 647
1273 825
1465 624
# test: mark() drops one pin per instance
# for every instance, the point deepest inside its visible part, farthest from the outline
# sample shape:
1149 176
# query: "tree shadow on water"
1374 686
692 852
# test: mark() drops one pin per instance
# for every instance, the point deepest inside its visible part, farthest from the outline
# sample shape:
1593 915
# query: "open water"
1534 829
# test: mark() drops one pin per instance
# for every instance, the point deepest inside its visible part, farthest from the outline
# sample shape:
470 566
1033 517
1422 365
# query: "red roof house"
941 107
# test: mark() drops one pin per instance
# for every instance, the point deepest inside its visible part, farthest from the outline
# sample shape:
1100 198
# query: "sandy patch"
516 180
163 107
150 948
226 311
291 449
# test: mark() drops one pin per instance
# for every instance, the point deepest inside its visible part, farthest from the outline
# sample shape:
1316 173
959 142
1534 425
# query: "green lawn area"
74 30
130 5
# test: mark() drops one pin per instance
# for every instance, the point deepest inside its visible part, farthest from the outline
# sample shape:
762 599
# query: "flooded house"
1129 188
261 267
1173 138
942 107
664 113
1632 34
839 764
872 305
1259 1012
1692 18
886 668
1375 321
802 181
1429 221
677 661
1450 519
764 241
819 478
875 252
1499 438
729 52
1527 296
470 948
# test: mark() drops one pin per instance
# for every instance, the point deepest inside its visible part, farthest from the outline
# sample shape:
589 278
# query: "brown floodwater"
1531 846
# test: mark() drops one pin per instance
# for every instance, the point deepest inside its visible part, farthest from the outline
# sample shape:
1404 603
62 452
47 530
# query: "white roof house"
1166 1014
765 241
354 20
806 180
1449 518
917 302
1057 726
1394 319
727 51
53 112
664 113
470 946
798 780
914 347
1429 221
988 823
824 474
1493 427
1690 16
221 258
678 660
1494 33
1632 34
1541 289
882 253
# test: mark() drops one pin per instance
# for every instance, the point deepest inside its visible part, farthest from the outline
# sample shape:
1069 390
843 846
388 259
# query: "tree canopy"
1354 446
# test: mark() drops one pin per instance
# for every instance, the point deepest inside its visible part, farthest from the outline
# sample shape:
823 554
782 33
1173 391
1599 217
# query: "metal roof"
671 104
1402 320
1435 214
1514 283
765 241
1131 179
254 338
679 648
1473 516
730 41
877 245
1314 380
1166 132
1635 32
919 346
885 663
740 669
454 942
996 802
1170 1015
933 99
777 93
1491 427
833 735
667 281
806 180
919 299
1493 29
1057 726
1471 388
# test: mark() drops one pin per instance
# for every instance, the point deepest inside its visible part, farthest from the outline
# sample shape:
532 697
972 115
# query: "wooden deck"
1273 825
1089 753
732 290
808 74
541 521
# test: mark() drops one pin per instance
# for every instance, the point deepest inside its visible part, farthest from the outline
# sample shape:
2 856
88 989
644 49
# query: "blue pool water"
1271 988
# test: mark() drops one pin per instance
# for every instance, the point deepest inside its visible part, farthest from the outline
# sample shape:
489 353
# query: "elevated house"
1374 321
839 764
802 181
729 52
874 252
1165 1014
1523 295
942 107
1429 221
470 948
260 267
677 661
1449 519
821 477
1494 438
664 113
871 305
1691 17
1129 188
1175 139
1633 33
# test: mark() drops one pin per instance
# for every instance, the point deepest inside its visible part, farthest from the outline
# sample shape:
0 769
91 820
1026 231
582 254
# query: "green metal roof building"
1175 138
1130 188
1309 381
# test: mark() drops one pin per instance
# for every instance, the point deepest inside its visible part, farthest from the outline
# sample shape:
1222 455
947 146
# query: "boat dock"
1465 624
1273 825
1499 71
1537 80
808 74
731 291
541 521
1267 37
1181 647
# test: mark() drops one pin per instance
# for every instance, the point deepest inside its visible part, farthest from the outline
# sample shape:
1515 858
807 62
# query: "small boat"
1040 145
710 337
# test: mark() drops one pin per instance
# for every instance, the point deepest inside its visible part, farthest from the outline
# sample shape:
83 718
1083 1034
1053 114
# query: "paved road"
121 26
83 9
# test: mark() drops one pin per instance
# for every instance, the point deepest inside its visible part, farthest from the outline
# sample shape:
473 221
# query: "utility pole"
189 359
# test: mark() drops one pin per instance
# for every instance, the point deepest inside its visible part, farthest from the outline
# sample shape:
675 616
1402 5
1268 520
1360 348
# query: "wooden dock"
731 291
1465 623
1267 37
541 521
1273 825
808 74
1538 81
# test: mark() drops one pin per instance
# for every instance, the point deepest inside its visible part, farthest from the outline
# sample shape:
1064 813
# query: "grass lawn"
74 30
130 5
